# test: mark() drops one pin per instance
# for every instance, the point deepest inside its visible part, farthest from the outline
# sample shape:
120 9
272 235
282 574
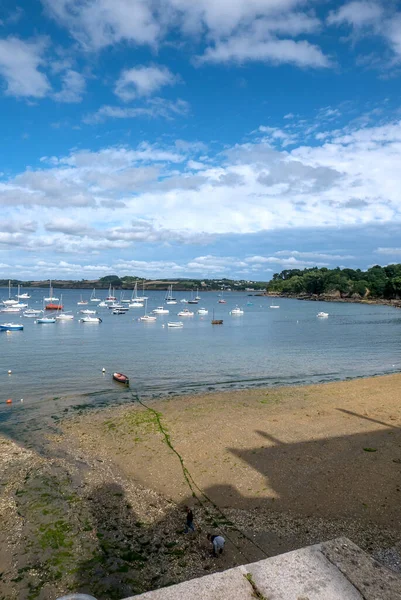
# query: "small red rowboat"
121 378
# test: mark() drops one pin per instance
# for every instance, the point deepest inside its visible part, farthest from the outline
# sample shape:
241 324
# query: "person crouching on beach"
190 520
218 543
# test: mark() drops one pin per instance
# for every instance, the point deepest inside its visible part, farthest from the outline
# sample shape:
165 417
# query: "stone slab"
228 585
373 580
304 574
335 570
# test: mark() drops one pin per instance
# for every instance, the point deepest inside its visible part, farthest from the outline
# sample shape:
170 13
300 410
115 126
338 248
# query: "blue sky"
172 138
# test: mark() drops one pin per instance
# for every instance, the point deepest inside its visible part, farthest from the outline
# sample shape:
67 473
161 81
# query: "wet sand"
100 507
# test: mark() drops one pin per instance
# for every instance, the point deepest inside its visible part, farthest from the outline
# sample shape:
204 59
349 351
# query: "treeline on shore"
128 282
376 283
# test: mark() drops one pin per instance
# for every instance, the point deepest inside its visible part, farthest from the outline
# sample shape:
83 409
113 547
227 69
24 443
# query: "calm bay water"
265 346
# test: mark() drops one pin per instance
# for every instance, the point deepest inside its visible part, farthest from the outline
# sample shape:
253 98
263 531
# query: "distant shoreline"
332 298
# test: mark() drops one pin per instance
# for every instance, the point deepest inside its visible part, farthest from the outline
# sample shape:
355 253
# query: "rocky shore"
98 504
336 297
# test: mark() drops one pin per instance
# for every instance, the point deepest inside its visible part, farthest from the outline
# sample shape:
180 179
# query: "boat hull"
121 378
11 327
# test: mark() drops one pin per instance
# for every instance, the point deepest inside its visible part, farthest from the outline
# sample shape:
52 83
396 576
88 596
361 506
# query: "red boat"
53 306
121 378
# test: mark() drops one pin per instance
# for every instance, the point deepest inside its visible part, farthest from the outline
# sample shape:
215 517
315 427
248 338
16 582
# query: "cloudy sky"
212 138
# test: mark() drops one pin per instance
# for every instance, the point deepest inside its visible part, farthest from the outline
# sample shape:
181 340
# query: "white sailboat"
160 310
143 297
237 312
64 316
51 298
82 302
10 300
185 312
203 311
93 296
89 319
134 301
32 313
23 296
147 318
169 296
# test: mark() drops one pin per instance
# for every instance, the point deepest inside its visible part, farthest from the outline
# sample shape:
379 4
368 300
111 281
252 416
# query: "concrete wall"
335 570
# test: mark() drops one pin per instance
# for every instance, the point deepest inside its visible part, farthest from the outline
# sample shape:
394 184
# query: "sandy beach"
100 507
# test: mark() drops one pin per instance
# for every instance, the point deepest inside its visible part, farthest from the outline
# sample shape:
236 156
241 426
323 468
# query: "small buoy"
163 326
9 371
8 401
22 399
103 370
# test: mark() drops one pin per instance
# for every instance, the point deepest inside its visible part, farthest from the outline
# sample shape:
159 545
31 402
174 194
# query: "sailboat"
147 318
197 297
135 302
221 299
23 296
51 298
93 296
143 297
169 296
64 316
10 301
216 321
193 300
111 297
45 319
82 302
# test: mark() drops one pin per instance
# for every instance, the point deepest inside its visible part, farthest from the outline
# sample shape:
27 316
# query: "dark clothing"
190 521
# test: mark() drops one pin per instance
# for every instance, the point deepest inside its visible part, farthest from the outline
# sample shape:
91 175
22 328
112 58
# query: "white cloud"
19 66
360 13
143 81
389 251
236 30
153 109
314 255
99 23
245 48
367 17
73 87
125 196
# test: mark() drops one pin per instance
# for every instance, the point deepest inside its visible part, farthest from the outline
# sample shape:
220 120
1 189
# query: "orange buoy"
8 401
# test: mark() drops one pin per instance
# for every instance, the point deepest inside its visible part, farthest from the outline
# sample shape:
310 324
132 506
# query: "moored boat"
32 313
93 296
121 378
175 324
11 327
322 315
54 306
64 317
45 320
50 297
185 312
160 310
89 319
